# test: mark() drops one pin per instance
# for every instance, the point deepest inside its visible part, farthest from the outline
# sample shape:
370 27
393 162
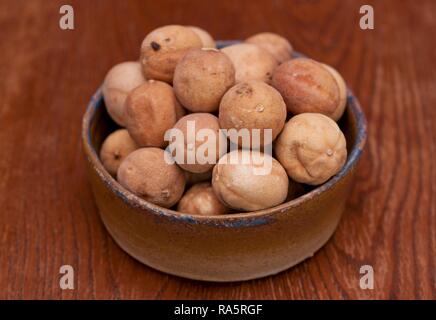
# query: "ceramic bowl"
231 247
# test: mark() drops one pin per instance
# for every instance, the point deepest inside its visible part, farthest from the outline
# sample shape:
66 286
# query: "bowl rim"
250 218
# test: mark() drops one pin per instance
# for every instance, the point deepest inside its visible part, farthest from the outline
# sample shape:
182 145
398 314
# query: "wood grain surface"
47 214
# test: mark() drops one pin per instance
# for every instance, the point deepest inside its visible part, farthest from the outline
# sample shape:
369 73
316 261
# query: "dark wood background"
47 214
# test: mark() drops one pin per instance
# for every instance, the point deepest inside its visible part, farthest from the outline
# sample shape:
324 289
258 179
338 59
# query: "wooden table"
47 214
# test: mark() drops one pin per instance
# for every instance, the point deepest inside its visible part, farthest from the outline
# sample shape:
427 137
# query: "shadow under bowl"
230 247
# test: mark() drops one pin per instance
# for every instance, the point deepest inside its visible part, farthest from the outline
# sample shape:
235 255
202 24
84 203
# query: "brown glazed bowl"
231 247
